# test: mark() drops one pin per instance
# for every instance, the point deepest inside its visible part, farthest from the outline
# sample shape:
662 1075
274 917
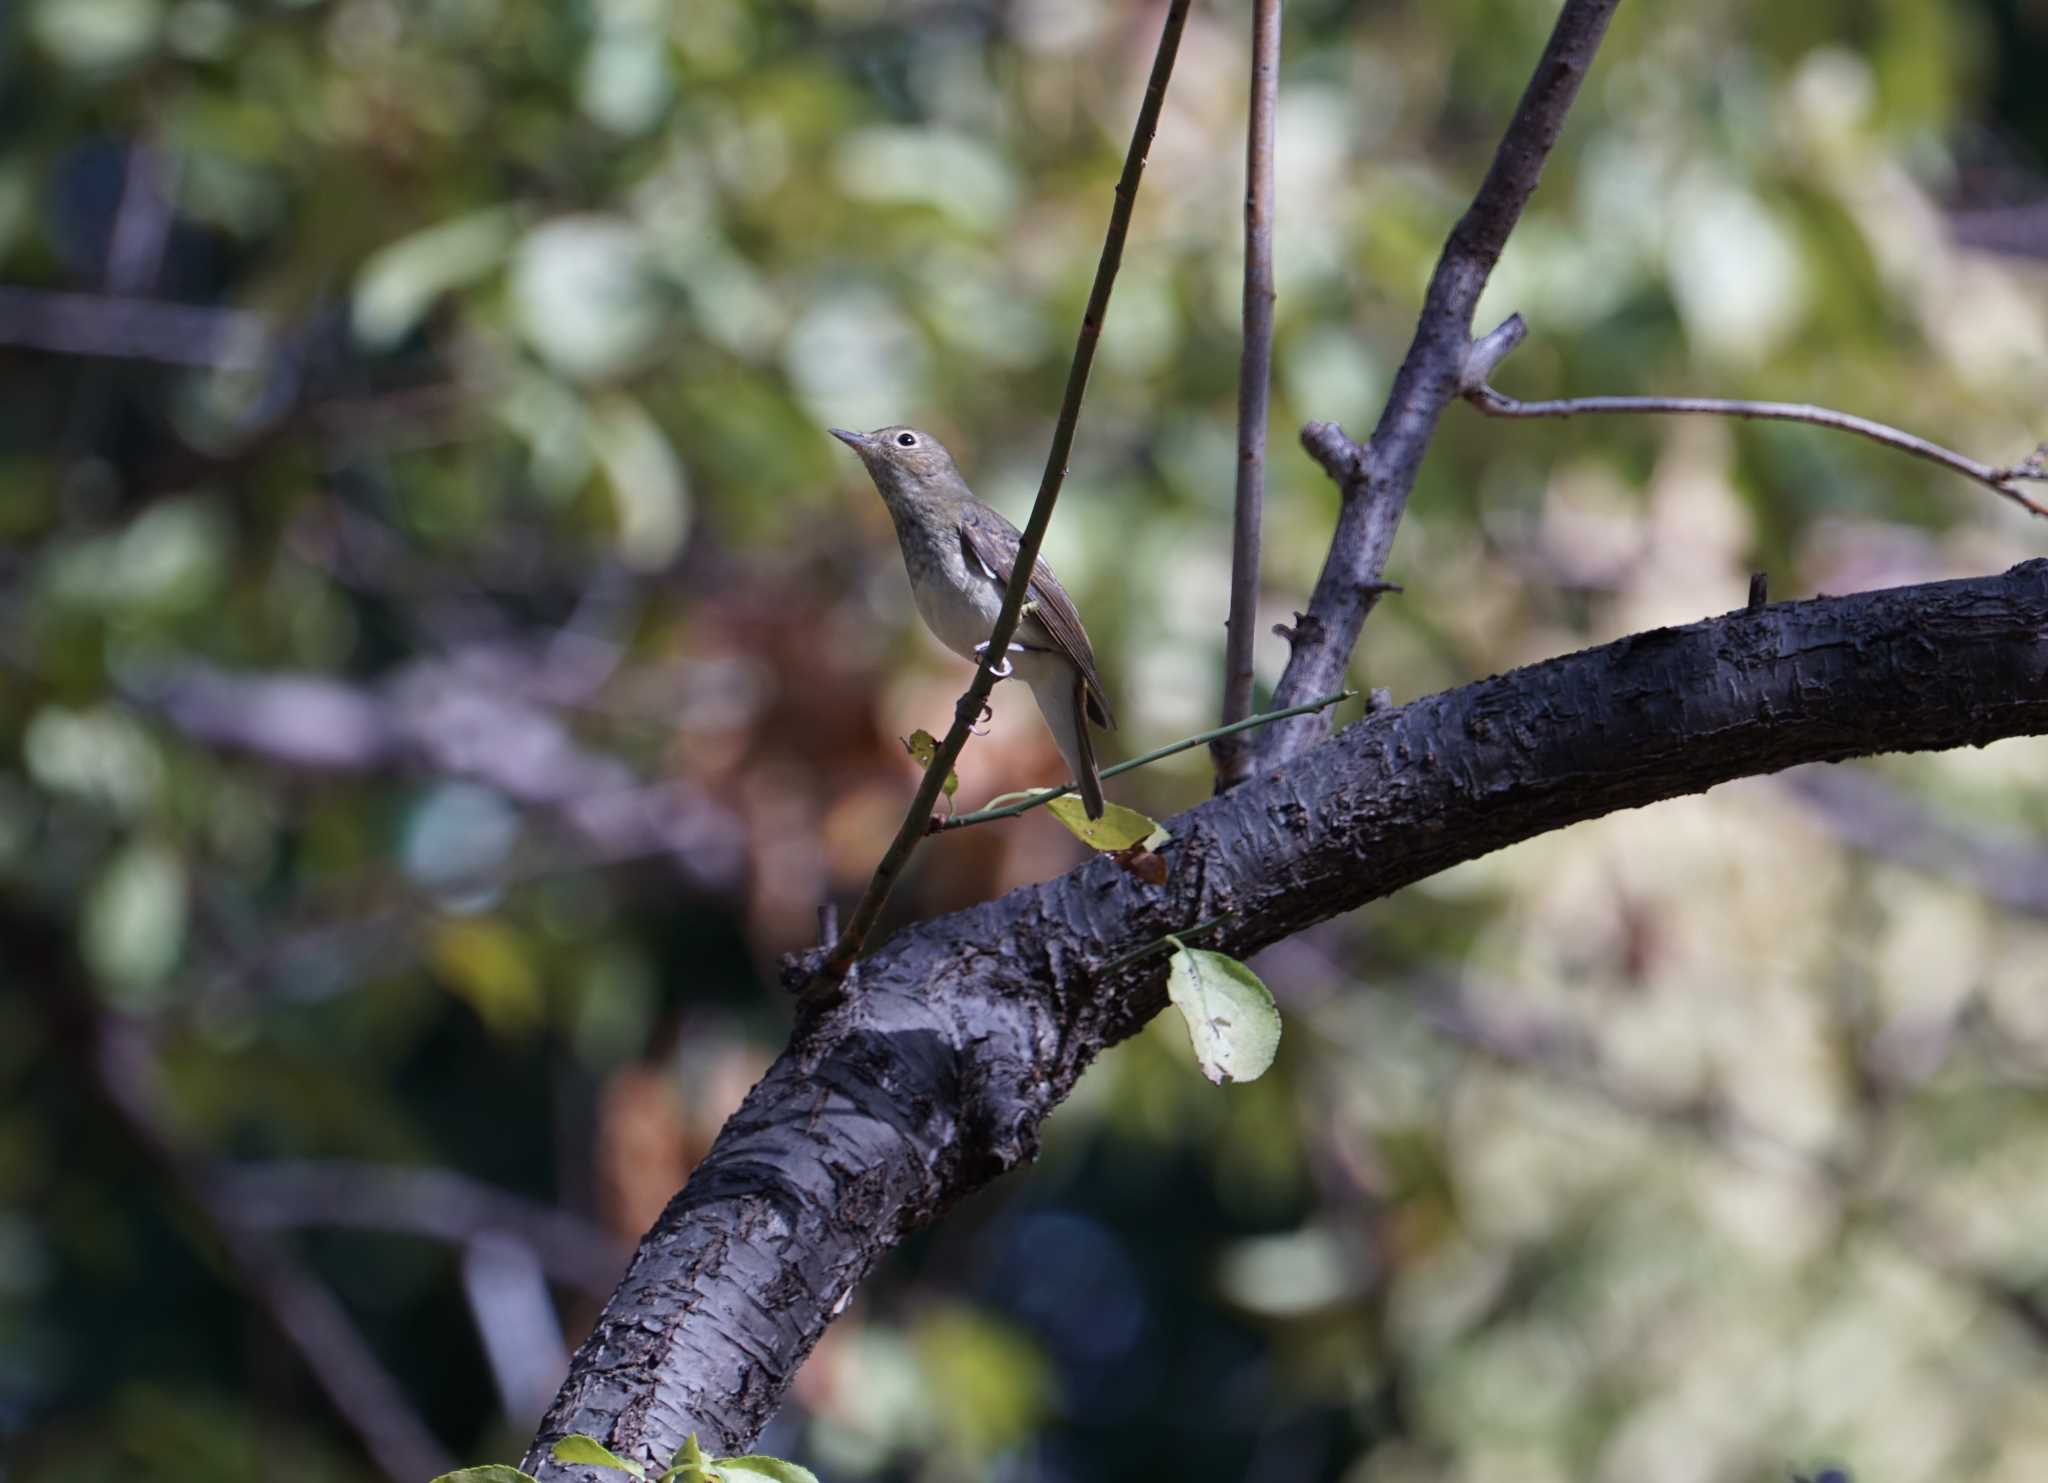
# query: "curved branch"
1998 478
972 1027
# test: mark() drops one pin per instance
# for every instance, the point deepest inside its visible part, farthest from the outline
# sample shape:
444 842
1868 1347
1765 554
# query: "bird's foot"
1003 668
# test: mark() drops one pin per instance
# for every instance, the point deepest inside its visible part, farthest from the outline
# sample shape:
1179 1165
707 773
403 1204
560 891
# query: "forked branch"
1432 374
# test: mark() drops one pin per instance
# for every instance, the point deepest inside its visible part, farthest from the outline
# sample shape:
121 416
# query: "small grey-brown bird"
960 554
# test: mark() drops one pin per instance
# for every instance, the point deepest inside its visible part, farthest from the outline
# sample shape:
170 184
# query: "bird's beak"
855 441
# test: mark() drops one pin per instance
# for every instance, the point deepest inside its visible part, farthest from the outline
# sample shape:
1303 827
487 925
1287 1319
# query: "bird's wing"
991 542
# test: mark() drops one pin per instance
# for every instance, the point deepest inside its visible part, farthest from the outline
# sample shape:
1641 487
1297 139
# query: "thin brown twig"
823 984
1233 754
2002 480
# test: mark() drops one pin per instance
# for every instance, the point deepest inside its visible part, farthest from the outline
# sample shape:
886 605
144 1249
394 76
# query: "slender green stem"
1046 795
970 705
1171 939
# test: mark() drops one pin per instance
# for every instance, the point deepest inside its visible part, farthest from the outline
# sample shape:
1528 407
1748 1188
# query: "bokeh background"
444 664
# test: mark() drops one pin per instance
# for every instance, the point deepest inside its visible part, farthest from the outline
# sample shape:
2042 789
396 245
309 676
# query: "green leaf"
689 1464
773 1469
490 1472
134 922
401 281
922 747
583 291
1118 829
650 491
589 1450
1230 1015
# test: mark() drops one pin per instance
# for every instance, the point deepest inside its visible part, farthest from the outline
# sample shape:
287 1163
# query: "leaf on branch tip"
689 1465
1119 828
1230 1014
593 1452
922 747
1141 862
490 1472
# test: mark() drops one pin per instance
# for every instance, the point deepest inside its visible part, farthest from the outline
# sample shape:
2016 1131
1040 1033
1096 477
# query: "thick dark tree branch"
1381 473
1233 753
969 1029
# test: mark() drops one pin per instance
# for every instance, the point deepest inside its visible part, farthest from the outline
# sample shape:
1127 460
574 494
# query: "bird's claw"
1003 668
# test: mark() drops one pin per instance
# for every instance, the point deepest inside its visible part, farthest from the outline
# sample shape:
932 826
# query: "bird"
960 553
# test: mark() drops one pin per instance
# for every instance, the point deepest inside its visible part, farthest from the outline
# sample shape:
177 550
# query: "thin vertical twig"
822 984
1233 753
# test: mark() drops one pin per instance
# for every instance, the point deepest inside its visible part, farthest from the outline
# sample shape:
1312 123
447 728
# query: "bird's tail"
1063 699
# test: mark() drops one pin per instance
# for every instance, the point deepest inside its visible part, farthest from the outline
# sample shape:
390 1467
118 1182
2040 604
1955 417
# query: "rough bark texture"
962 1034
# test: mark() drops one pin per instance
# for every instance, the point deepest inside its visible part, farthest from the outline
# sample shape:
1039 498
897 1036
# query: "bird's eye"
906 440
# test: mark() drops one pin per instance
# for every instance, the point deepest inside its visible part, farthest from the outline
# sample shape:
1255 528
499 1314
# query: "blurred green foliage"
484 454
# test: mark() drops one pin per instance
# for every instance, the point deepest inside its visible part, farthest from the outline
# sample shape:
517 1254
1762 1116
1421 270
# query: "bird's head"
903 462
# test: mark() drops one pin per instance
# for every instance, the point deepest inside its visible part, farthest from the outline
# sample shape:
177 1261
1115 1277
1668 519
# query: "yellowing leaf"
989 1380
490 1472
1118 829
922 747
488 964
1230 1014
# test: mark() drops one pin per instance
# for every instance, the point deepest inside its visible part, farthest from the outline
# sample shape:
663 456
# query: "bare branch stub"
1432 373
1348 464
1490 349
